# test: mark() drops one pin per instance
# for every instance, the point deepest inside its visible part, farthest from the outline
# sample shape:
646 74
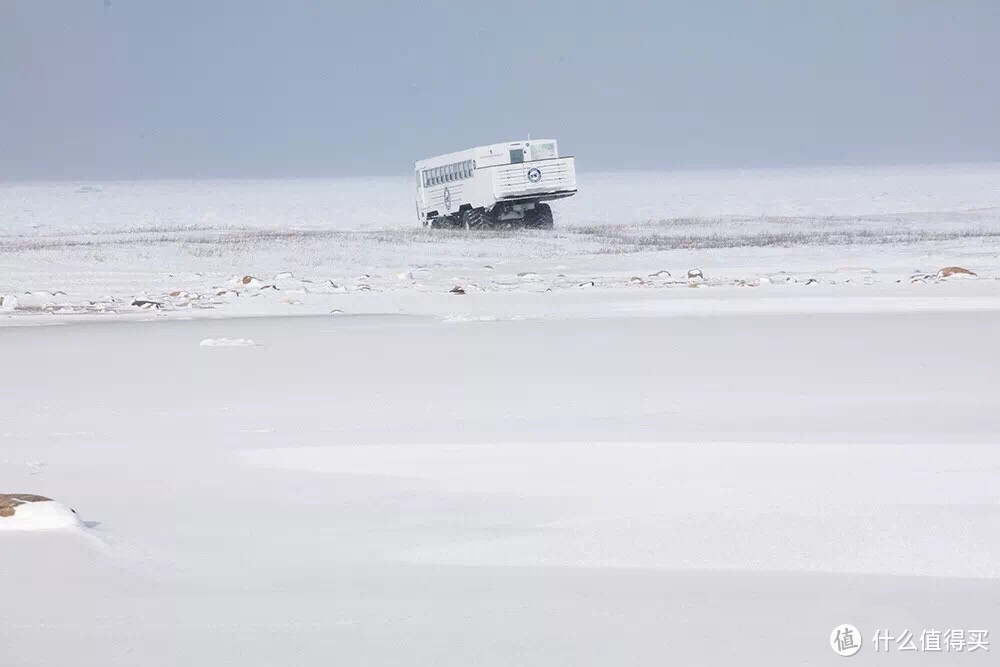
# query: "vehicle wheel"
543 217
473 218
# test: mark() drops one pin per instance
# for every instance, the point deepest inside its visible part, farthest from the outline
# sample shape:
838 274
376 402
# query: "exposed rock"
457 289
636 280
146 304
695 274
9 502
587 283
44 294
30 512
949 271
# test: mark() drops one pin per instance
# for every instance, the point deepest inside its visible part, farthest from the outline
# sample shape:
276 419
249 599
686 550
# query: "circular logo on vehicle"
447 199
534 174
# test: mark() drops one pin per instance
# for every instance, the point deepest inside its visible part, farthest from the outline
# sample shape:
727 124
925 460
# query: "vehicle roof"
474 152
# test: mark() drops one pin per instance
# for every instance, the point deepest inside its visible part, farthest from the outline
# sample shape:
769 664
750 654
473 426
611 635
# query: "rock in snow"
8 302
949 271
26 511
695 274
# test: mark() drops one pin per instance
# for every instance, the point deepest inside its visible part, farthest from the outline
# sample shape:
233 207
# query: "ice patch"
228 342
451 319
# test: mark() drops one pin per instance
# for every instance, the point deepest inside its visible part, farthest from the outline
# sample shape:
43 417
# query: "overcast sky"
179 88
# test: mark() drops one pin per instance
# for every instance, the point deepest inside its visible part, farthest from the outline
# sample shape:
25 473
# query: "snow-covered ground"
222 249
582 455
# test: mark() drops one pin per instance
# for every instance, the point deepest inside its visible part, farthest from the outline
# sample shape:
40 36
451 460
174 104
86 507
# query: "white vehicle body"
499 183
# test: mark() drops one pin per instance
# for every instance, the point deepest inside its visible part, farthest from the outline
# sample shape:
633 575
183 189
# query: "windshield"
543 151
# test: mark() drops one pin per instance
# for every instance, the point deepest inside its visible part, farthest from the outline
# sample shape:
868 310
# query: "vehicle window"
516 155
543 151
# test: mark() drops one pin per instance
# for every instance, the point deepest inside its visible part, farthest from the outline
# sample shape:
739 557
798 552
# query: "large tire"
539 217
473 218
543 217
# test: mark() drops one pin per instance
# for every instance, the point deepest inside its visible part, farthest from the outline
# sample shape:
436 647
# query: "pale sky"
207 88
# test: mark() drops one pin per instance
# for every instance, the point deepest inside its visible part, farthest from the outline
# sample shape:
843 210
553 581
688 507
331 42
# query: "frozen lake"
545 492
